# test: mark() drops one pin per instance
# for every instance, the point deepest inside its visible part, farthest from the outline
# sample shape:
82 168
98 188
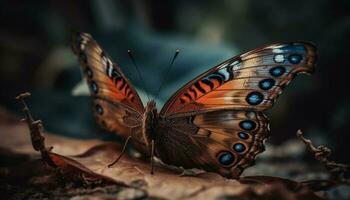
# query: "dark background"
35 56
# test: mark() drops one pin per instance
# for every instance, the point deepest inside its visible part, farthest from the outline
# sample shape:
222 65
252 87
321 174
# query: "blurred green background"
35 56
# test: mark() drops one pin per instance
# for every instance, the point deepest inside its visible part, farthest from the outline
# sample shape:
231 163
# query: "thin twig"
322 153
36 129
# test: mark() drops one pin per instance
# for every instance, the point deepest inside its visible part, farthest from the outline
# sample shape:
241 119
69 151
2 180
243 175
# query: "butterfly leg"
152 157
191 172
121 154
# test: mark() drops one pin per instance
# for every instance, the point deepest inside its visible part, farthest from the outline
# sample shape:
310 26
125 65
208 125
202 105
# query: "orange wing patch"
116 105
104 77
251 81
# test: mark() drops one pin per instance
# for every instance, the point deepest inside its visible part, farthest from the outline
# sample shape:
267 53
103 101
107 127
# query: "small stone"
131 194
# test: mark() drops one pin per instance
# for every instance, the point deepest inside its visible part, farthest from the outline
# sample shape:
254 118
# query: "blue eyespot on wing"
223 141
251 81
116 104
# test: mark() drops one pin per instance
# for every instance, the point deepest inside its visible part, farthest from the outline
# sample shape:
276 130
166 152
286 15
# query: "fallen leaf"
90 158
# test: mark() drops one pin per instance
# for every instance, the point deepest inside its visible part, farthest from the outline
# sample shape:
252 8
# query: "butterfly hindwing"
116 117
251 81
116 104
218 141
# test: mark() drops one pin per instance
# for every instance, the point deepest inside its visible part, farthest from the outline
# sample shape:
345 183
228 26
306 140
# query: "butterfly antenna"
138 72
166 74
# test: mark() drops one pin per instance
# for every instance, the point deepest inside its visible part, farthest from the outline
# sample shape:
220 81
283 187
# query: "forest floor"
23 175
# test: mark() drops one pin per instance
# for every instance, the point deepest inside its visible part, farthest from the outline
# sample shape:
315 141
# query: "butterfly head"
151 108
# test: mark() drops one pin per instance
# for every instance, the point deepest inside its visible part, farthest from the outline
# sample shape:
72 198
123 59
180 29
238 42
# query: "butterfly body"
149 123
215 122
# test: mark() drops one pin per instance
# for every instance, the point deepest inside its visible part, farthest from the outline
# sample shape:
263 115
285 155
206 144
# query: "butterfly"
214 122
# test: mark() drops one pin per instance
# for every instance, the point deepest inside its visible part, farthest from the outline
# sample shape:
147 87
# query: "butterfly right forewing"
251 81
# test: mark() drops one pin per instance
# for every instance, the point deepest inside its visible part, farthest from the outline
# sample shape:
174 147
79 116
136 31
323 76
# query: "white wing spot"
277 51
110 69
225 73
279 58
234 63
82 46
236 67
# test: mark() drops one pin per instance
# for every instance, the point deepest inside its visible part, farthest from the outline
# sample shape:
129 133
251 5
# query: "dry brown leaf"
92 157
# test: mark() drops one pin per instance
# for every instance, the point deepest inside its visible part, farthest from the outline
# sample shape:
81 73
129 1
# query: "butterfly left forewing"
104 77
116 105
